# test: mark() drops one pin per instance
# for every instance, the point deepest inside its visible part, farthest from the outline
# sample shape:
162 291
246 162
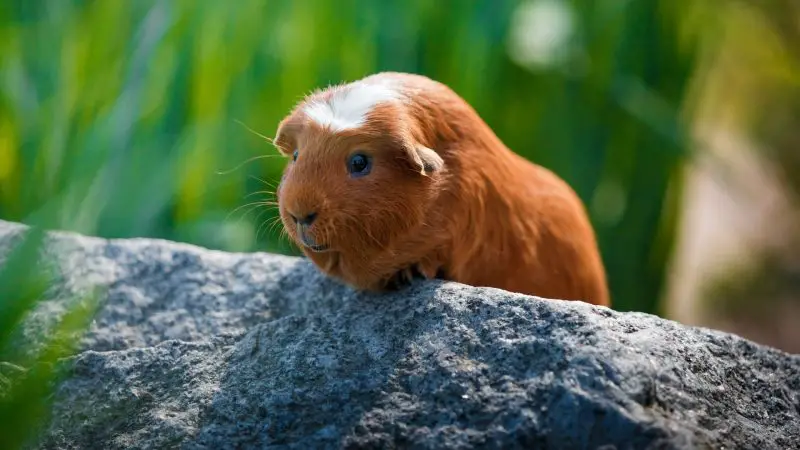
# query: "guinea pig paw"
428 271
417 273
404 278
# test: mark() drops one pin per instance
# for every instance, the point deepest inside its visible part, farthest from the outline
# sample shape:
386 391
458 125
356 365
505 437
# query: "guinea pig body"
395 175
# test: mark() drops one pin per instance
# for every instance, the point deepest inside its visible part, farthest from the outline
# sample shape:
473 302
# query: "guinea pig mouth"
313 247
309 241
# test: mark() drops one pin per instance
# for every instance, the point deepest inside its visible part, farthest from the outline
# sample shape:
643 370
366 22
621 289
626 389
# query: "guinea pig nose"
306 220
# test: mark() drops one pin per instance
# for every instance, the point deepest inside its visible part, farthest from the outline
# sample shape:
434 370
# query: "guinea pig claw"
405 277
417 273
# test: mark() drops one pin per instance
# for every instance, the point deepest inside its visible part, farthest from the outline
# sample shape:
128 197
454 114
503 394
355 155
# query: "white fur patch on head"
349 106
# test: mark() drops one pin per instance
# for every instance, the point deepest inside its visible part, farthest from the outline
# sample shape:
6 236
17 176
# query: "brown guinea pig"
395 176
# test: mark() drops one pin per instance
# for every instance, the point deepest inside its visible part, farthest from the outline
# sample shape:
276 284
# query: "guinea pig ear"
426 160
288 128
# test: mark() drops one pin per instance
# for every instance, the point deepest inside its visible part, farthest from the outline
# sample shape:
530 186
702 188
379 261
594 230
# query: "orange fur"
445 198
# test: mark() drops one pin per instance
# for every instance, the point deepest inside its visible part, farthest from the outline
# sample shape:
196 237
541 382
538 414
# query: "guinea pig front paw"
405 278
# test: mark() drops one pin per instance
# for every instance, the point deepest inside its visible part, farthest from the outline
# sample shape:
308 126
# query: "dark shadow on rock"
304 381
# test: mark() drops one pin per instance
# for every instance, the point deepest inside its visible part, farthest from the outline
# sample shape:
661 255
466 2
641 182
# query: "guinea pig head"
351 191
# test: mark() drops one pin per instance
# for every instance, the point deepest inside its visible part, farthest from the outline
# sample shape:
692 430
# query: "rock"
200 349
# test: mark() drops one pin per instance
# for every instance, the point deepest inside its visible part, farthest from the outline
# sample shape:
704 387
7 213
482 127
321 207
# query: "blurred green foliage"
753 91
123 119
32 363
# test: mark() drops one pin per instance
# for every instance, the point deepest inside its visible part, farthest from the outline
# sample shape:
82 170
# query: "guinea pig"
395 177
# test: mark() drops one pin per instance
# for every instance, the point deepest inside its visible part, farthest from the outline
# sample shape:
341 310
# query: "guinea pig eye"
294 156
359 164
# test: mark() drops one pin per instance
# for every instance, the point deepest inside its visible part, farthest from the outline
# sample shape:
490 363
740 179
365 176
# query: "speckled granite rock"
200 349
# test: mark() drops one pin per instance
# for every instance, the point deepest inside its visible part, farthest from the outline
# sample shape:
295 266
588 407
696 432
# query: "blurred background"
677 122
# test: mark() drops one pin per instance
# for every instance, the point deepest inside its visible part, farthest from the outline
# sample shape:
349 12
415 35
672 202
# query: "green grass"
128 119
28 372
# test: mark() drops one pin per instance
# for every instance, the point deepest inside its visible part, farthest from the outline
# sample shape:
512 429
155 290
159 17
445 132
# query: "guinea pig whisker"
250 209
266 222
374 239
267 182
252 206
283 234
264 225
268 139
272 186
275 221
226 172
272 193
261 180
355 224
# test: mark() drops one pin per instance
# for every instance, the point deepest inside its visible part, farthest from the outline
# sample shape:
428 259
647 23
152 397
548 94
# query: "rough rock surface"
202 349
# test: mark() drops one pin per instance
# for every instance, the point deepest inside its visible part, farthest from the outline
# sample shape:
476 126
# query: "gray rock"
201 349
